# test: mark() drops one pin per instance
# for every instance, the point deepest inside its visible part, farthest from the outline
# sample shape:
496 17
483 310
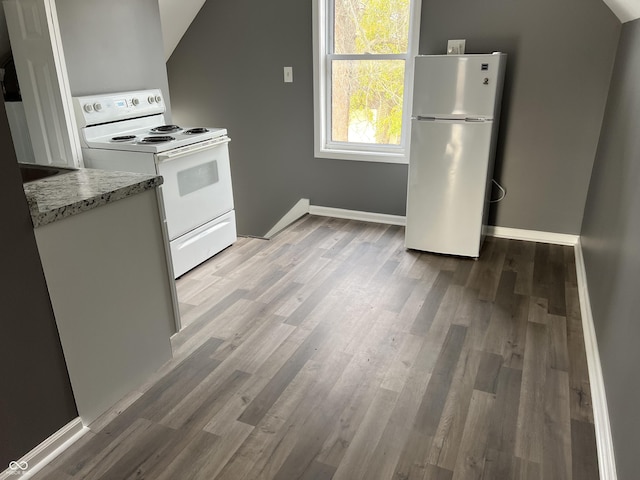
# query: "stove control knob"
88 107
97 106
151 99
158 98
135 102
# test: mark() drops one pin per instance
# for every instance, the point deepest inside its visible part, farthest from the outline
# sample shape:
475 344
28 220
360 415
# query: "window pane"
366 101
371 26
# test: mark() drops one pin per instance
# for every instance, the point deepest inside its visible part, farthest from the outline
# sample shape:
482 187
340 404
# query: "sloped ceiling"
175 17
625 10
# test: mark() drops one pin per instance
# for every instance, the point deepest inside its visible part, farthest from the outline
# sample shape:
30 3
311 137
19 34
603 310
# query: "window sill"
378 157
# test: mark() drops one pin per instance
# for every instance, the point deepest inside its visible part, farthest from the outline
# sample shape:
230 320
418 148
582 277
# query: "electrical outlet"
455 47
288 74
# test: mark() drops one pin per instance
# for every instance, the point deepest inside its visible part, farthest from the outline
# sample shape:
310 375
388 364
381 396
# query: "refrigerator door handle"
475 119
422 118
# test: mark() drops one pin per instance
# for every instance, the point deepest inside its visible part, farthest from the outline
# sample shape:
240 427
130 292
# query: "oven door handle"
190 149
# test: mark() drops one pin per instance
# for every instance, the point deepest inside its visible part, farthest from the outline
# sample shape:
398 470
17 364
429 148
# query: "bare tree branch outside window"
366 90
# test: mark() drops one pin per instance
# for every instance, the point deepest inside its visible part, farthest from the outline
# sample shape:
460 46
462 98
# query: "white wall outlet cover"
455 47
288 74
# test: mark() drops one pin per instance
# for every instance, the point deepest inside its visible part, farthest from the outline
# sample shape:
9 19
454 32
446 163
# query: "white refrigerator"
454 123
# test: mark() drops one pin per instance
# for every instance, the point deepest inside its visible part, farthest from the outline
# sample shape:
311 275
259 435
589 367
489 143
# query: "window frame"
322 36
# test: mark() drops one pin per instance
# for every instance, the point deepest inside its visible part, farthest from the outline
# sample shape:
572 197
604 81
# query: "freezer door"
457 85
448 176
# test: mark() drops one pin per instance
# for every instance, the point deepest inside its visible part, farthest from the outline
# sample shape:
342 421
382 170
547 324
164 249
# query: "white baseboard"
358 215
299 209
604 439
303 207
41 455
532 235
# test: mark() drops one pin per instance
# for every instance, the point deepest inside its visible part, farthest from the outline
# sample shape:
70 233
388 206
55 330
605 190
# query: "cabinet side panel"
109 284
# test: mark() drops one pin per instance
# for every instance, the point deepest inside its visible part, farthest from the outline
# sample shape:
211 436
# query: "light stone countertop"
60 196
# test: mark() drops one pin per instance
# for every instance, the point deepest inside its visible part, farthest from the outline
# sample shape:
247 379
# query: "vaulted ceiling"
625 10
176 16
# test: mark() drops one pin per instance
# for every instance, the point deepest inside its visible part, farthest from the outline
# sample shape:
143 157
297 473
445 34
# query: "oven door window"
197 178
196 188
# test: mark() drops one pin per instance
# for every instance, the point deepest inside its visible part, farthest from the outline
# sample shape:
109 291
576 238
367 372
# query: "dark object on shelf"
10 86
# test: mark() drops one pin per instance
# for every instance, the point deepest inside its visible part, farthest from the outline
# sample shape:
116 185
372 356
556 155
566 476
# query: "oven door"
197 184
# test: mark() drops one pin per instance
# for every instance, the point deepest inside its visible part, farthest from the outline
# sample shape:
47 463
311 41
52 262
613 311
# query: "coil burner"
166 129
158 139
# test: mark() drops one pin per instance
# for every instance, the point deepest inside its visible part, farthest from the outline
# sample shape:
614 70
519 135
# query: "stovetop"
134 121
148 134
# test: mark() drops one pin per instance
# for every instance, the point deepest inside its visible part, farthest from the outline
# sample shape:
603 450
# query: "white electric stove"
127 131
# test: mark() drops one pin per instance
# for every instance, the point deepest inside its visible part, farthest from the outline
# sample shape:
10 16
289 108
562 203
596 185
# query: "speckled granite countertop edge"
62 196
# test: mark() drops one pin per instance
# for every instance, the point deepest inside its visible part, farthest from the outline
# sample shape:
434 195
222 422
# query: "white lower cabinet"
113 297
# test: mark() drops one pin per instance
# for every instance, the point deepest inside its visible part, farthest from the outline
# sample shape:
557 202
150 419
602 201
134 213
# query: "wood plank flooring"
331 352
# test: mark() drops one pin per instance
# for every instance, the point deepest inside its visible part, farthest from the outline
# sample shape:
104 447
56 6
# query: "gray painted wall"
36 398
611 240
227 71
112 46
560 60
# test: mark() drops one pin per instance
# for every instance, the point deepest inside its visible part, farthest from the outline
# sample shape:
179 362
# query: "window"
363 68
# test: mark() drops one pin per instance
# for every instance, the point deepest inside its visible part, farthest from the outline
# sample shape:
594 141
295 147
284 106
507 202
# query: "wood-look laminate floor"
331 352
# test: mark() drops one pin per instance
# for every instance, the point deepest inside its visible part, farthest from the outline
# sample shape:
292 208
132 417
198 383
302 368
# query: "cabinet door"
40 65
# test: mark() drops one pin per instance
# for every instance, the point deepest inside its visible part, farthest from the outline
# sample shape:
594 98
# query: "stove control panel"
98 109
